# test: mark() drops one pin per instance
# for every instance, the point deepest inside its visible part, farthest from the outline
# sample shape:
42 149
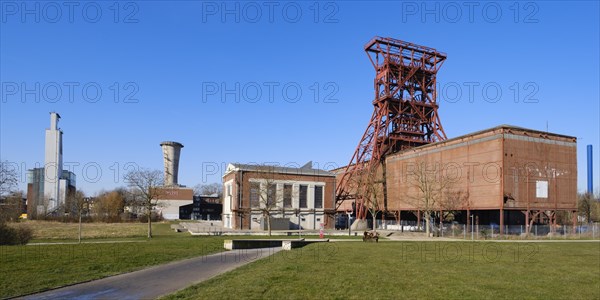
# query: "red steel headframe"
405 114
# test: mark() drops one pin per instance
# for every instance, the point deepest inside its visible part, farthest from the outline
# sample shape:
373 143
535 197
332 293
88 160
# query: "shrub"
24 234
485 233
20 235
7 234
156 217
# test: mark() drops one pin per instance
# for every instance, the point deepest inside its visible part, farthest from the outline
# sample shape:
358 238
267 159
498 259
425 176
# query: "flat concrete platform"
286 244
160 280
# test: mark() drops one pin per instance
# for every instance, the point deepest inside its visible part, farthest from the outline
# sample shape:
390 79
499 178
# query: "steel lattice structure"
405 110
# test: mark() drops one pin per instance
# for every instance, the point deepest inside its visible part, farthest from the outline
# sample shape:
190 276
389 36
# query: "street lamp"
297 213
471 226
80 206
349 213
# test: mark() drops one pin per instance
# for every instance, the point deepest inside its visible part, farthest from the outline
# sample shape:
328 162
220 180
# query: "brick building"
504 175
303 197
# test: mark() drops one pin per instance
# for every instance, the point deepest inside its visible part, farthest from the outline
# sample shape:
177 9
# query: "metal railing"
474 231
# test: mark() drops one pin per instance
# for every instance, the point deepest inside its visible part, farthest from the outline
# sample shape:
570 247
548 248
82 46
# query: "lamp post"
85 202
471 226
349 213
297 213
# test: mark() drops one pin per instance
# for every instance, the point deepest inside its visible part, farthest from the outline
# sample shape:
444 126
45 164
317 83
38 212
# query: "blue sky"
238 81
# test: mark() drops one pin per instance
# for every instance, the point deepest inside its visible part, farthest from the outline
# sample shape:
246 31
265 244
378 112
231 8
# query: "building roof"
501 129
504 128
307 169
172 143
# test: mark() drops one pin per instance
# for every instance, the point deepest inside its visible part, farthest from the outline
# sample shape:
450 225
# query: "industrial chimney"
171 151
590 170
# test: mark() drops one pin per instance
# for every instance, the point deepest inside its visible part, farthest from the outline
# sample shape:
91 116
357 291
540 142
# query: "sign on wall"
541 189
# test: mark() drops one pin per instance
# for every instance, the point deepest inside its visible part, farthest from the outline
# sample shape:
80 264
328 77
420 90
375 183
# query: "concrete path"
160 280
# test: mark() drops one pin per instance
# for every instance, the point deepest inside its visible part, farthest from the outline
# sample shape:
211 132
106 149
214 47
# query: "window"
318 197
303 196
287 195
254 196
272 195
229 190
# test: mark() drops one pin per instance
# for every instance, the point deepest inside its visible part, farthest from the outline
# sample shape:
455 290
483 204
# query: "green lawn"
124 248
32 268
47 231
325 270
392 270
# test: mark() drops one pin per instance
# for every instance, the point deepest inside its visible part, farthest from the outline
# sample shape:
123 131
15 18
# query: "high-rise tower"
171 152
53 164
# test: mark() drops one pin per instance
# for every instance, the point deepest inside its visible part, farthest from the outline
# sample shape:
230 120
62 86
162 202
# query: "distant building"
171 199
48 187
304 196
204 208
35 193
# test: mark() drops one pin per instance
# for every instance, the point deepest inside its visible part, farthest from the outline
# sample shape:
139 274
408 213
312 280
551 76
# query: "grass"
565 270
449 270
124 248
58 231
33 268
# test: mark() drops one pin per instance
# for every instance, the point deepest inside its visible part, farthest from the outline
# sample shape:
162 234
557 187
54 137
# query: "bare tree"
145 186
369 185
361 185
454 201
208 189
586 206
428 190
8 178
263 193
76 204
11 207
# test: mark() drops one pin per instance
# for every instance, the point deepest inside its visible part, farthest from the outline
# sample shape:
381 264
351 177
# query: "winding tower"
405 113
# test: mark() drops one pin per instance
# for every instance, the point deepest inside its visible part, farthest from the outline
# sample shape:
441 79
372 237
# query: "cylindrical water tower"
171 151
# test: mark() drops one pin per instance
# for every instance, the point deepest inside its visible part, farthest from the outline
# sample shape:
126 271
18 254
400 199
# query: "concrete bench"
269 243
178 228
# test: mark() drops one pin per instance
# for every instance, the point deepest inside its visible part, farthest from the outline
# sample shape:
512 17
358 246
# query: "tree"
145 185
263 194
11 207
453 202
76 204
8 178
362 185
108 206
428 190
587 206
369 185
208 189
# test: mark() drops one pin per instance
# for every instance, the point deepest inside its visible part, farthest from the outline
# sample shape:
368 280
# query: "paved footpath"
160 280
